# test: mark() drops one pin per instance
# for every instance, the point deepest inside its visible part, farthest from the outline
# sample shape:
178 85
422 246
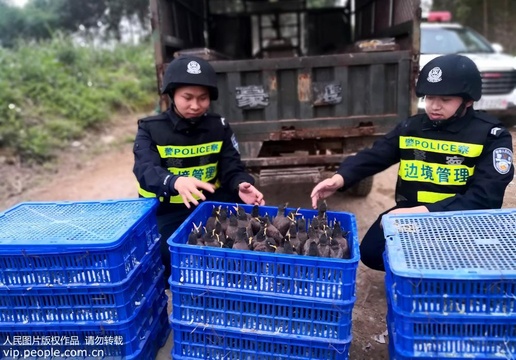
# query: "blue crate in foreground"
197 342
451 336
300 277
261 314
68 243
115 340
453 263
81 304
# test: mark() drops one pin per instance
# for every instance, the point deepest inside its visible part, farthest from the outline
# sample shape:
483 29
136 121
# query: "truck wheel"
363 188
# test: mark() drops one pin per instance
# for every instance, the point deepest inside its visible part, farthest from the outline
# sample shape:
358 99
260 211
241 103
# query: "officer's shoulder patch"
235 143
496 131
502 160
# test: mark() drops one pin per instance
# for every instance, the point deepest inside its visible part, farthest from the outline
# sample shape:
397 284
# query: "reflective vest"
195 154
435 165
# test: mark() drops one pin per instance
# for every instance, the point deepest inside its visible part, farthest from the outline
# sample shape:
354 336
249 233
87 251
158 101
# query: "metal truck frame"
298 103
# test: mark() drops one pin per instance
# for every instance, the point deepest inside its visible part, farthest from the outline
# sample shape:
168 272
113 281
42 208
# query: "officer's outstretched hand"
189 188
326 188
250 195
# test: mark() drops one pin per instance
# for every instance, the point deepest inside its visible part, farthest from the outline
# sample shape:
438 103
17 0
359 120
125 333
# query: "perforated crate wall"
84 304
66 243
213 343
453 263
301 277
116 339
262 314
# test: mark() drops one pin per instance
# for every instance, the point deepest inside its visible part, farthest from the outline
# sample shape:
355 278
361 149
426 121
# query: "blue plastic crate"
68 243
453 263
421 335
262 314
296 276
115 339
197 342
84 304
395 354
154 339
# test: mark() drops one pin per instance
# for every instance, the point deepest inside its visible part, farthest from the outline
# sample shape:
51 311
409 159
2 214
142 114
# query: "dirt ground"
100 167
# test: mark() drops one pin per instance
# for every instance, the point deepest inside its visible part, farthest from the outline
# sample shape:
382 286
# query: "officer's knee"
372 256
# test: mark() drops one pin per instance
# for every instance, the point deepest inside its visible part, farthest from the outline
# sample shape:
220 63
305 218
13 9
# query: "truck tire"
362 189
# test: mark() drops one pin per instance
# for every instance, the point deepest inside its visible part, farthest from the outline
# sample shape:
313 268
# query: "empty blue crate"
197 342
300 277
453 263
112 339
67 243
421 335
81 303
261 314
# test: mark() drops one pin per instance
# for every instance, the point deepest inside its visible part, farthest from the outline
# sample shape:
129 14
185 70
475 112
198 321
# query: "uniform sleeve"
147 168
231 168
384 153
487 185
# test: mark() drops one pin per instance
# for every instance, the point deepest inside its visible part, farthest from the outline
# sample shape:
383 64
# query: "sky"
18 2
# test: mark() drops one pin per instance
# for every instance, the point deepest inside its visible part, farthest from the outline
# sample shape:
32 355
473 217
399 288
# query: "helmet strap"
460 110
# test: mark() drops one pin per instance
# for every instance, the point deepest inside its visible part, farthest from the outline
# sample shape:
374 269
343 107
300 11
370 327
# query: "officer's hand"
326 188
250 195
190 187
410 210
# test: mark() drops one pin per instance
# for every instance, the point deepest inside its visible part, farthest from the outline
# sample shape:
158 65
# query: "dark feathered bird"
293 238
192 238
255 221
336 250
324 246
302 235
210 222
321 214
260 237
211 239
242 216
280 221
286 247
231 231
338 236
223 218
272 231
241 241
266 246
312 248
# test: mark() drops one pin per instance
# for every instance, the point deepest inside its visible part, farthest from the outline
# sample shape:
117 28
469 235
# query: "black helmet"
452 75
190 70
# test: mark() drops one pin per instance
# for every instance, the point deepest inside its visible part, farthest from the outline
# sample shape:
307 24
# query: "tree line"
492 18
41 19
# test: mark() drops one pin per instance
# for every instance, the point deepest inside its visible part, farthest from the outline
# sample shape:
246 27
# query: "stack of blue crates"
239 304
81 280
451 284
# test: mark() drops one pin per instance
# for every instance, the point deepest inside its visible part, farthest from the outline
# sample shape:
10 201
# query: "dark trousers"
372 246
168 223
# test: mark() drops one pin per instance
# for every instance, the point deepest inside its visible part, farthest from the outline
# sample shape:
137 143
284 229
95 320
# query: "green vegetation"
53 91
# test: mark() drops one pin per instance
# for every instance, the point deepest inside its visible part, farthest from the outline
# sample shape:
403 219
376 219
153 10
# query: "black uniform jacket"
463 164
209 141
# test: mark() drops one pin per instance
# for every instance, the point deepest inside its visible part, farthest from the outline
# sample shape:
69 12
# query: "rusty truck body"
303 83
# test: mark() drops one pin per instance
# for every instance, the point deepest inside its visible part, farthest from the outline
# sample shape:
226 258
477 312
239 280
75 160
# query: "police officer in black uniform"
186 154
451 158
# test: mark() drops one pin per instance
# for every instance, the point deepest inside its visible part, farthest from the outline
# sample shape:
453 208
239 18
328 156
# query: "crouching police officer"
450 158
186 154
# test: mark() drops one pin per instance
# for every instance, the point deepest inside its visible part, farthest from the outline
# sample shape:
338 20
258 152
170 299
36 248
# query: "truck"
302 83
440 36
